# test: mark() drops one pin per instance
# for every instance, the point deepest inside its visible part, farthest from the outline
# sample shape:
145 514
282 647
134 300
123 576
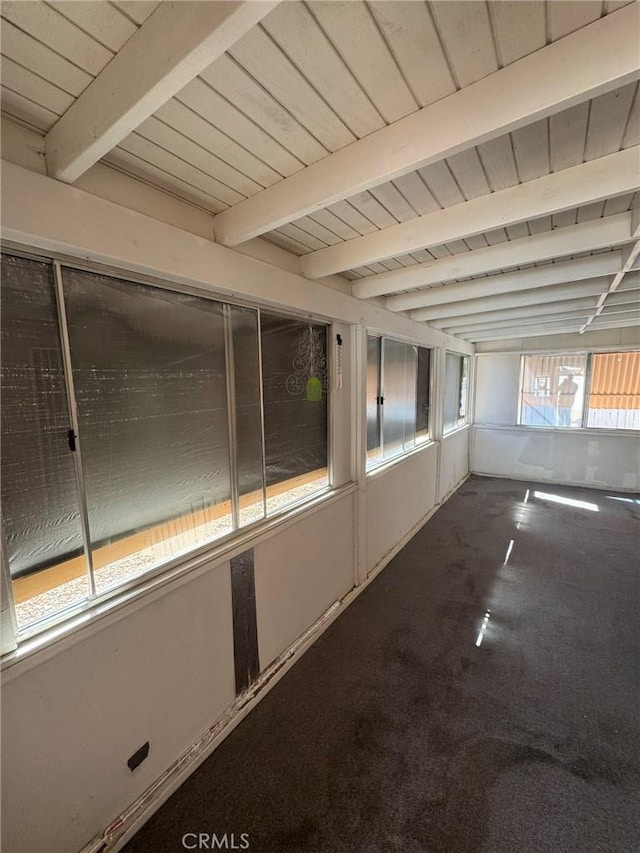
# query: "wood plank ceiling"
313 78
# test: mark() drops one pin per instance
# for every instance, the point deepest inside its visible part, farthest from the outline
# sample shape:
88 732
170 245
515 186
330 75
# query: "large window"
456 391
552 390
581 390
398 389
294 360
139 424
40 501
614 391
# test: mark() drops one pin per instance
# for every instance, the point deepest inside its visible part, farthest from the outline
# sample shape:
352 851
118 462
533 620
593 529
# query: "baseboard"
578 484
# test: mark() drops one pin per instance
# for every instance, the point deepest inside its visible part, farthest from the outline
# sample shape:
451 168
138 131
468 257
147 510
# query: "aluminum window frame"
461 420
419 441
589 356
16 635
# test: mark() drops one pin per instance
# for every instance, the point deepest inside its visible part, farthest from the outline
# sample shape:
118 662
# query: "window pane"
39 487
453 391
374 450
464 388
294 375
399 367
149 375
614 393
552 391
422 392
246 368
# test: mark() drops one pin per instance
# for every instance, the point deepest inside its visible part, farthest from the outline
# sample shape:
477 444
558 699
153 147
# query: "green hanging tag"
314 389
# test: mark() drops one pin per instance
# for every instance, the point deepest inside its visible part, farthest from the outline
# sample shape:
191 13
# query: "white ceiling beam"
513 282
176 43
606 177
618 312
598 233
537 331
569 71
525 312
629 294
515 313
529 332
521 323
539 296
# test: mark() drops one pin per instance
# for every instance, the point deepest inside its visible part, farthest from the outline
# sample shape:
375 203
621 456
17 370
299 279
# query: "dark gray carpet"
396 732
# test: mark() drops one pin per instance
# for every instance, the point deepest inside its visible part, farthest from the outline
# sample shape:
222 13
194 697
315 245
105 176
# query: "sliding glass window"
140 424
294 381
570 390
150 383
40 500
374 410
243 357
552 390
456 391
398 392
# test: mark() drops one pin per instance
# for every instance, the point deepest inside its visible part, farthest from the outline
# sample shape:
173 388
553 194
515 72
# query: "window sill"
56 634
401 457
565 430
456 430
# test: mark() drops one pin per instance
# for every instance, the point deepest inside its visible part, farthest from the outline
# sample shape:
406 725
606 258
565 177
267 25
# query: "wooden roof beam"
569 71
571 240
606 177
563 272
176 43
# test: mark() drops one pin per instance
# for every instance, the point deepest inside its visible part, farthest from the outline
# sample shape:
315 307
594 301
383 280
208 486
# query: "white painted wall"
160 672
454 461
301 572
497 379
589 457
397 498
581 458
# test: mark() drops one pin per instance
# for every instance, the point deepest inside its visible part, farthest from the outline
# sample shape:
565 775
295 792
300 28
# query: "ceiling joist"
176 43
563 318
542 295
587 183
547 329
596 234
573 69
563 272
576 315
516 313
519 312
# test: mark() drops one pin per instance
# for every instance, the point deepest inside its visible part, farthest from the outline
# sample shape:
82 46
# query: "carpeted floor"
407 727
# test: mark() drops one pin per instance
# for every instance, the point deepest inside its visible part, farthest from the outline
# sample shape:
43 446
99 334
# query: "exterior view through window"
614 391
585 390
139 424
552 390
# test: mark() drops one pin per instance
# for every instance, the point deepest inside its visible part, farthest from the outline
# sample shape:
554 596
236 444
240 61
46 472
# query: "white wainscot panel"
454 460
497 381
162 674
398 498
300 572
580 458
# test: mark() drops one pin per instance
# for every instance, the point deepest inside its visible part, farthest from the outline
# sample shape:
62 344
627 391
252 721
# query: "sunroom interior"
277 278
